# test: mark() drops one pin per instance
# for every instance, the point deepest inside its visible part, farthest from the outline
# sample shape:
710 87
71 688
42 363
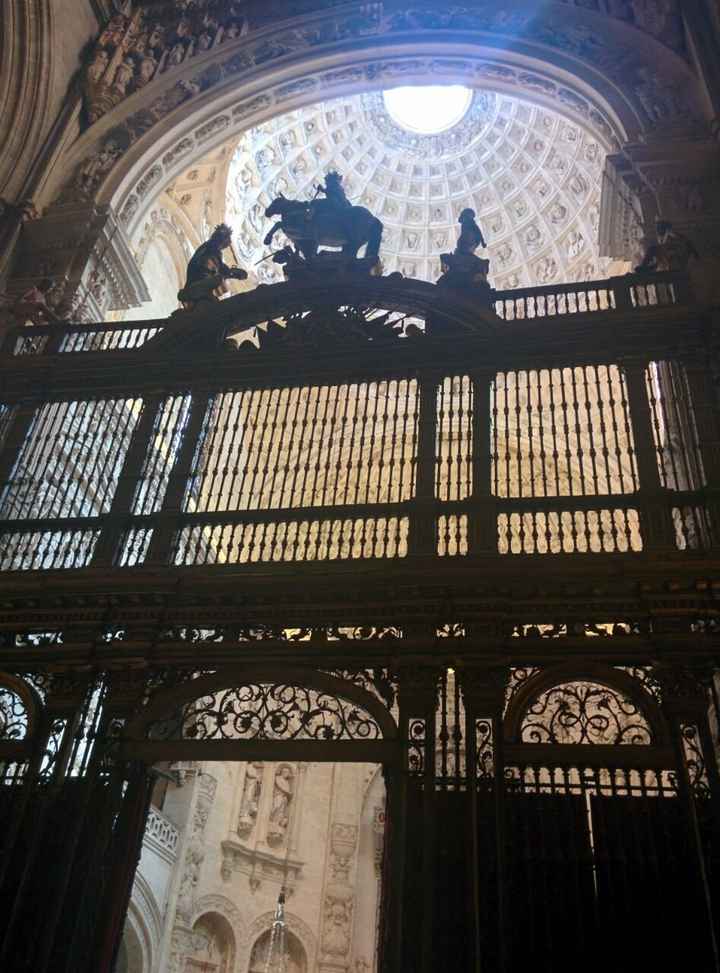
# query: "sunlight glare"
427 109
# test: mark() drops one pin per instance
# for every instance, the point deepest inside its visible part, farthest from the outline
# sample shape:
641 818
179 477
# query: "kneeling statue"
462 268
206 272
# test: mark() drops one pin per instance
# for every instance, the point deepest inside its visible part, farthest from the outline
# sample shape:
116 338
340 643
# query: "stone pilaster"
338 904
179 939
673 179
84 251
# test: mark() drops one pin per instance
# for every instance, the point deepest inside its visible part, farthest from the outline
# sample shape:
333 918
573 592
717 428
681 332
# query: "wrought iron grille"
438 443
268 712
584 713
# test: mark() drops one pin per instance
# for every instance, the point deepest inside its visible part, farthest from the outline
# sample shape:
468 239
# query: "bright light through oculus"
429 109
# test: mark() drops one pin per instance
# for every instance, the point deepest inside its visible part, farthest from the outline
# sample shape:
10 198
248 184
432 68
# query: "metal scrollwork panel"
416 746
584 712
694 761
13 715
269 712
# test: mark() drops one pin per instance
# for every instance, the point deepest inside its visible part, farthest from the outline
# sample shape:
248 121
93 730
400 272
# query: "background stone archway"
587 61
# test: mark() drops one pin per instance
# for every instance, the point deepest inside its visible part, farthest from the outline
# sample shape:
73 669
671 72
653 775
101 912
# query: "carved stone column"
338 905
84 251
181 901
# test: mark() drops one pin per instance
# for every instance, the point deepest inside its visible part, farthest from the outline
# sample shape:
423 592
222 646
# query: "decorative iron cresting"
587 713
259 711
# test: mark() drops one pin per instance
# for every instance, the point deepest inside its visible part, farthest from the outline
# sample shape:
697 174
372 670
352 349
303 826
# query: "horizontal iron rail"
628 756
347 512
413 297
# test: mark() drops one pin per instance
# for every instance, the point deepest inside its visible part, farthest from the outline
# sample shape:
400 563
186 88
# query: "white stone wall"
229 837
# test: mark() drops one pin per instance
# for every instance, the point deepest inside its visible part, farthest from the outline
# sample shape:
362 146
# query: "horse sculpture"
311 224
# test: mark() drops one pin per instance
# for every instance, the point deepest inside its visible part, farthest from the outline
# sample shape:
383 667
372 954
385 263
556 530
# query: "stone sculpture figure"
32 306
207 272
252 789
463 268
280 809
671 250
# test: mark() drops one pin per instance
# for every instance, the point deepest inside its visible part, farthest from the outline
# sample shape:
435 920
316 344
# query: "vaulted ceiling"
532 176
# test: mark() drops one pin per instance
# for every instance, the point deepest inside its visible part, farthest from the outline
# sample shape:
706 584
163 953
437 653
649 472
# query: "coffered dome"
532 176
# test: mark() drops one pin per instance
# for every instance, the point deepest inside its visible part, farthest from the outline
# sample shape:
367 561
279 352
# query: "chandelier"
277 957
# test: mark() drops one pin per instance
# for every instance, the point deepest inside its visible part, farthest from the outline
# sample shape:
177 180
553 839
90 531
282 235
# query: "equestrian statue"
332 221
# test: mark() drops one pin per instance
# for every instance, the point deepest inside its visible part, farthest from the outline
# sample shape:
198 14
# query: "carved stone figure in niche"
280 809
463 268
252 789
146 70
671 250
191 875
332 222
97 67
90 175
207 272
123 76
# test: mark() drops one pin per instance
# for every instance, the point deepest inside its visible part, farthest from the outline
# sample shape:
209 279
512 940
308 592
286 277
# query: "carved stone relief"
195 848
262 840
85 253
337 923
133 50
283 791
657 99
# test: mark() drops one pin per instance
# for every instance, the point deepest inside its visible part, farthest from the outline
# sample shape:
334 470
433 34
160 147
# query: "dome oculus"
427 109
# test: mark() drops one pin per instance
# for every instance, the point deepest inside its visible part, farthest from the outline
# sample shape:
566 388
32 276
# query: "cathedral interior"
359 486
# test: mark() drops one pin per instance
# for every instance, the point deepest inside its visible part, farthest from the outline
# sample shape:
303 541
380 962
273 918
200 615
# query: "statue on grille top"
462 268
671 250
333 192
331 222
207 272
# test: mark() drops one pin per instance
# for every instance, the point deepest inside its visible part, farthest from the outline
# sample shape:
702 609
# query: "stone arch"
144 919
213 931
300 929
225 907
174 229
137 952
617 681
295 951
599 69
